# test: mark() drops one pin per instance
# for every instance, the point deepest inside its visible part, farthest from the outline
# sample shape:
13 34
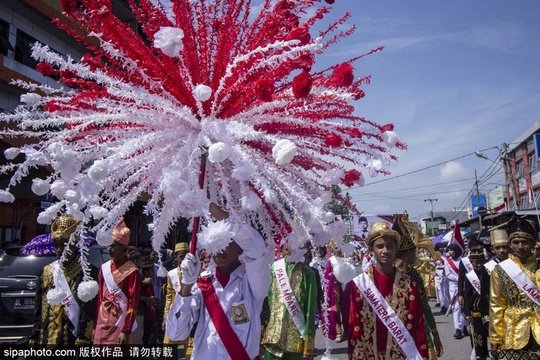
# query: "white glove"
190 268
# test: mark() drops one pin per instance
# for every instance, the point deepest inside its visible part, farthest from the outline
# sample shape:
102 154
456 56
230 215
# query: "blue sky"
454 77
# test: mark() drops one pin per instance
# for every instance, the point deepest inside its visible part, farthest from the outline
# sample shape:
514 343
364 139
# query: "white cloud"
452 170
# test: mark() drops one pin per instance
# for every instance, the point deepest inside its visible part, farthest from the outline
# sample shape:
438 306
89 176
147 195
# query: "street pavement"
453 349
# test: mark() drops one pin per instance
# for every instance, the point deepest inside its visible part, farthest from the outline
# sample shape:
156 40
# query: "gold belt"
476 314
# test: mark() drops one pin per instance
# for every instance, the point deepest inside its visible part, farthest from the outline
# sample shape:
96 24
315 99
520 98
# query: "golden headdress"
63 227
381 229
406 242
498 236
522 228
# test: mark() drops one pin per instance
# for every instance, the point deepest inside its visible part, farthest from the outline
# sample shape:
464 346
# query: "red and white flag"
531 195
457 238
501 208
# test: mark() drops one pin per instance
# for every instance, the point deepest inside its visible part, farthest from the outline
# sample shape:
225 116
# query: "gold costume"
513 315
281 334
56 329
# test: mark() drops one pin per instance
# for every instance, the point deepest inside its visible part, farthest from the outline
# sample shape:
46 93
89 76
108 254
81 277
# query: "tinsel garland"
136 114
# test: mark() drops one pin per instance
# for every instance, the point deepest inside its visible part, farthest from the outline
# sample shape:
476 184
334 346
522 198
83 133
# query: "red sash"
229 338
453 266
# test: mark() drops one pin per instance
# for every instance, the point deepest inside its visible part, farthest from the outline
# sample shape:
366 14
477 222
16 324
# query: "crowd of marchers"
250 301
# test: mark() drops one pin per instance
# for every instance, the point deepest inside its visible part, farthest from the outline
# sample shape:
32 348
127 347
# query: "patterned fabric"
513 315
368 337
282 335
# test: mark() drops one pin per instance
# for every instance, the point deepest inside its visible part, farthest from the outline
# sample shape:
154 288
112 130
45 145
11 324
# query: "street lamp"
507 175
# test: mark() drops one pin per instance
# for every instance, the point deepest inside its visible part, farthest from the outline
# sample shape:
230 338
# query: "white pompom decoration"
104 238
98 212
169 40
244 172
98 171
333 176
390 138
374 167
344 270
6 197
202 92
59 188
55 296
215 236
172 184
284 151
12 153
162 272
30 98
218 152
40 187
87 290
251 201
72 196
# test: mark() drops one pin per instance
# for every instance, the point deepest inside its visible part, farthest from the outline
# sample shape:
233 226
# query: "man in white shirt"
231 296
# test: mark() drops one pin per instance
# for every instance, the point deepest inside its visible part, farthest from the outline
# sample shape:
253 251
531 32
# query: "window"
4 38
23 50
533 162
519 169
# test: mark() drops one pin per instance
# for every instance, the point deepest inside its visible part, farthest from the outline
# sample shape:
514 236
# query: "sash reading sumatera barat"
521 280
287 294
71 307
119 296
388 316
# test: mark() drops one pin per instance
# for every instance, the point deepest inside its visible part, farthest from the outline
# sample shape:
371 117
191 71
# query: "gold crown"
381 229
63 227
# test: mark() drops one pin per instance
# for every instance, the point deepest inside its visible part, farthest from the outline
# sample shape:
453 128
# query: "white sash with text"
119 297
71 306
467 263
288 297
387 315
521 280
175 280
490 265
474 280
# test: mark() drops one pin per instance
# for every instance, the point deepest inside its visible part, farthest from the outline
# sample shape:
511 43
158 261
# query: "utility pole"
478 203
431 203
509 179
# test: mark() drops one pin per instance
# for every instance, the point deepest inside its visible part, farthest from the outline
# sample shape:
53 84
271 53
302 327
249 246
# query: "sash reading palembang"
387 315
71 307
175 280
119 296
288 297
521 280
229 338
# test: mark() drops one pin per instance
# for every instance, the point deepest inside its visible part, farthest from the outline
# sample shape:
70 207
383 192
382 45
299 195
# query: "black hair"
147 268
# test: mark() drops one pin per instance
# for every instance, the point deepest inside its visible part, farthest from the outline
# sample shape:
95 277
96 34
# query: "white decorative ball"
11 153
6 197
169 40
284 151
98 171
202 92
218 152
87 290
40 187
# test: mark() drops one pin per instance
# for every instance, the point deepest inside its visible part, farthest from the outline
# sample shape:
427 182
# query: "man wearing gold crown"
499 247
514 326
386 316
119 289
64 319
405 260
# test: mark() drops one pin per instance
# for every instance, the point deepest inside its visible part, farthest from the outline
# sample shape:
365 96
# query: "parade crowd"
250 301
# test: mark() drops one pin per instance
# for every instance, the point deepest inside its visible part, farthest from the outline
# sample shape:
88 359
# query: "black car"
19 282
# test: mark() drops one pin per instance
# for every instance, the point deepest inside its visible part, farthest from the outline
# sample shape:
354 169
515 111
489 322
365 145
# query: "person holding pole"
226 303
